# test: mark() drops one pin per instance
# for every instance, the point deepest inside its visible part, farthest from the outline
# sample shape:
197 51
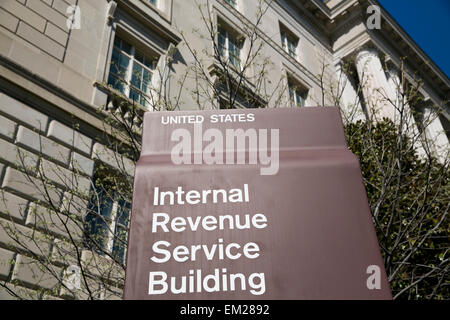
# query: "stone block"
123 164
56 34
24 14
17 156
18 293
49 221
82 164
30 186
102 266
13 206
14 235
48 13
35 60
61 6
23 113
32 272
65 252
40 40
70 137
113 293
42 145
65 178
6 261
96 290
8 21
73 205
6 42
48 2
7 127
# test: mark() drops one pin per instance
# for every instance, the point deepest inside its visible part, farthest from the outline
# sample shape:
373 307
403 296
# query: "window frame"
297 92
238 43
288 39
127 80
106 226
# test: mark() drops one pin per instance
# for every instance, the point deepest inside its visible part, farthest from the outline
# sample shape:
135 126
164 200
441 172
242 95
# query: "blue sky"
427 23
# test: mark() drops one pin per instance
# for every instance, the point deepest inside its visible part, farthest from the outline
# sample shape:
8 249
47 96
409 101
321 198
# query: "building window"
297 96
131 72
230 47
107 220
289 43
232 3
153 2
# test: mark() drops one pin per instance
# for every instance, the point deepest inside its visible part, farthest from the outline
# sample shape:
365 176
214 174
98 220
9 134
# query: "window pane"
136 76
135 96
119 64
123 66
231 47
222 43
145 101
115 61
292 48
126 47
98 219
222 51
292 97
118 70
121 233
119 246
146 81
97 229
222 36
123 213
235 62
106 204
298 98
283 39
139 57
116 83
117 42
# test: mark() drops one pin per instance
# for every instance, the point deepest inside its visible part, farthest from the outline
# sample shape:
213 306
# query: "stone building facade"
61 62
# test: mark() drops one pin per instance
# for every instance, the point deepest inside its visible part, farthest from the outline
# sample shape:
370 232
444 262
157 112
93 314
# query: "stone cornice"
404 37
337 15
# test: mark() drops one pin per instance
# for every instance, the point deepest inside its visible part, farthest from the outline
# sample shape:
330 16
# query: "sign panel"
251 204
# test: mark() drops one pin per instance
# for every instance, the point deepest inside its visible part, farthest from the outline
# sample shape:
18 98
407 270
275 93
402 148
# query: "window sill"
111 91
114 102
